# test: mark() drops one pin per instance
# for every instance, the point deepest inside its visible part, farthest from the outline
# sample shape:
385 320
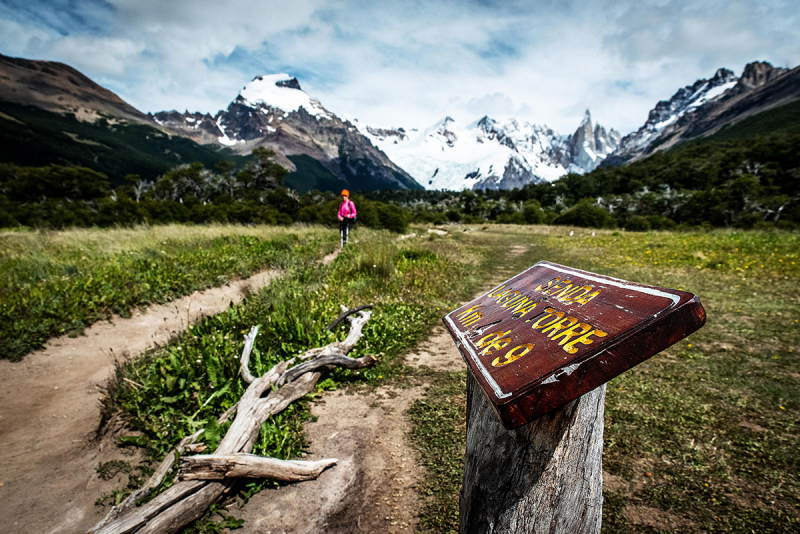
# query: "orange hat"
345 193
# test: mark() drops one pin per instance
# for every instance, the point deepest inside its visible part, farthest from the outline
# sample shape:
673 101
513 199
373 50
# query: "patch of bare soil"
437 352
49 412
372 488
654 518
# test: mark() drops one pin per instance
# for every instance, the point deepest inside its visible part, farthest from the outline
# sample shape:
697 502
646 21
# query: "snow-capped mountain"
488 154
588 146
666 112
706 106
273 111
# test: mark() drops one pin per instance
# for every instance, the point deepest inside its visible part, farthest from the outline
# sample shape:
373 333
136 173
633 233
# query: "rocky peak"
486 124
280 94
588 146
444 131
758 73
722 76
289 84
396 134
585 127
685 99
704 107
488 129
201 127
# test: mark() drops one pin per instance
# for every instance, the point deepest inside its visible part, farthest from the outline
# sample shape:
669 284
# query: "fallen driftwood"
205 478
347 313
218 467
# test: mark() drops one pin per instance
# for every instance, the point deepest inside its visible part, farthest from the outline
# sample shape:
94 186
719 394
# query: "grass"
175 390
782 119
702 437
56 283
438 434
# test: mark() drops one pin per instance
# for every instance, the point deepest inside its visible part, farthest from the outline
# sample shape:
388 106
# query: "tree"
264 174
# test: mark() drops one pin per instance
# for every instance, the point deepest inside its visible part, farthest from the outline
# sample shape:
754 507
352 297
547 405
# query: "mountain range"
51 113
50 110
488 154
707 106
274 112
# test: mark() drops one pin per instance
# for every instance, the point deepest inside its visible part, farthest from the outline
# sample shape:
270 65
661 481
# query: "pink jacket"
347 209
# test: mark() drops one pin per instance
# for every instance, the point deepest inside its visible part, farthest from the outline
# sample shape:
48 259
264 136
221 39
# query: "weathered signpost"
540 348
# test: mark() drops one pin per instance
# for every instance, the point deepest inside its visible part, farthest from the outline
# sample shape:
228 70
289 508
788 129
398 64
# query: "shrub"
532 211
659 222
637 223
587 214
392 218
453 215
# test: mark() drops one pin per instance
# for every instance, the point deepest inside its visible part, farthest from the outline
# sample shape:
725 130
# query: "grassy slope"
61 282
37 137
702 437
783 119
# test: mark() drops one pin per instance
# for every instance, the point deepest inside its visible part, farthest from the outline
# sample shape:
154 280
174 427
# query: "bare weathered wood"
133 521
347 313
335 360
249 341
188 499
153 482
245 427
545 477
219 467
190 509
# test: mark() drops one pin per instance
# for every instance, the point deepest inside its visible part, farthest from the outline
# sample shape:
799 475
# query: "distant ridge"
707 106
52 113
60 88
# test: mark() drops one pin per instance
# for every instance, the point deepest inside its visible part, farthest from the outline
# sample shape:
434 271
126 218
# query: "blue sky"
407 62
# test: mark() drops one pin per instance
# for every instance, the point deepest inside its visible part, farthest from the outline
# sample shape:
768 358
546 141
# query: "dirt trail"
49 411
372 488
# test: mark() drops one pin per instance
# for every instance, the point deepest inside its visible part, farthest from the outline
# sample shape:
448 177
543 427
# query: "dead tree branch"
206 478
347 313
219 467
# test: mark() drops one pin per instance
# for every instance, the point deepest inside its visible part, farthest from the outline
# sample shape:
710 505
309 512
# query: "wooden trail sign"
552 333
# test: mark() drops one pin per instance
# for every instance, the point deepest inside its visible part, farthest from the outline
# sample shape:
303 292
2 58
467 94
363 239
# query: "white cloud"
410 63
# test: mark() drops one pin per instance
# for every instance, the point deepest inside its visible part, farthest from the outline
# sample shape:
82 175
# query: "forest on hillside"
742 177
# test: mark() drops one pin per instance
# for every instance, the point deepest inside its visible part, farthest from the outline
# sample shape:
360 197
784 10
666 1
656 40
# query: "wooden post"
540 348
546 477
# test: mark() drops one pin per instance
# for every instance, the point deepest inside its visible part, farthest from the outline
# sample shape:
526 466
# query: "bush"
532 211
637 223
453 215
393 218
659 222
439 219
511 218
587 214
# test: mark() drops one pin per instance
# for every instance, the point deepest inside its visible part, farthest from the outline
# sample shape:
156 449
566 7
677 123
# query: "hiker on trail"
347 216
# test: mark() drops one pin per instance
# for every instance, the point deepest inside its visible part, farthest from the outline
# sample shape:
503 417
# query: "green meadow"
702 437
55 283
